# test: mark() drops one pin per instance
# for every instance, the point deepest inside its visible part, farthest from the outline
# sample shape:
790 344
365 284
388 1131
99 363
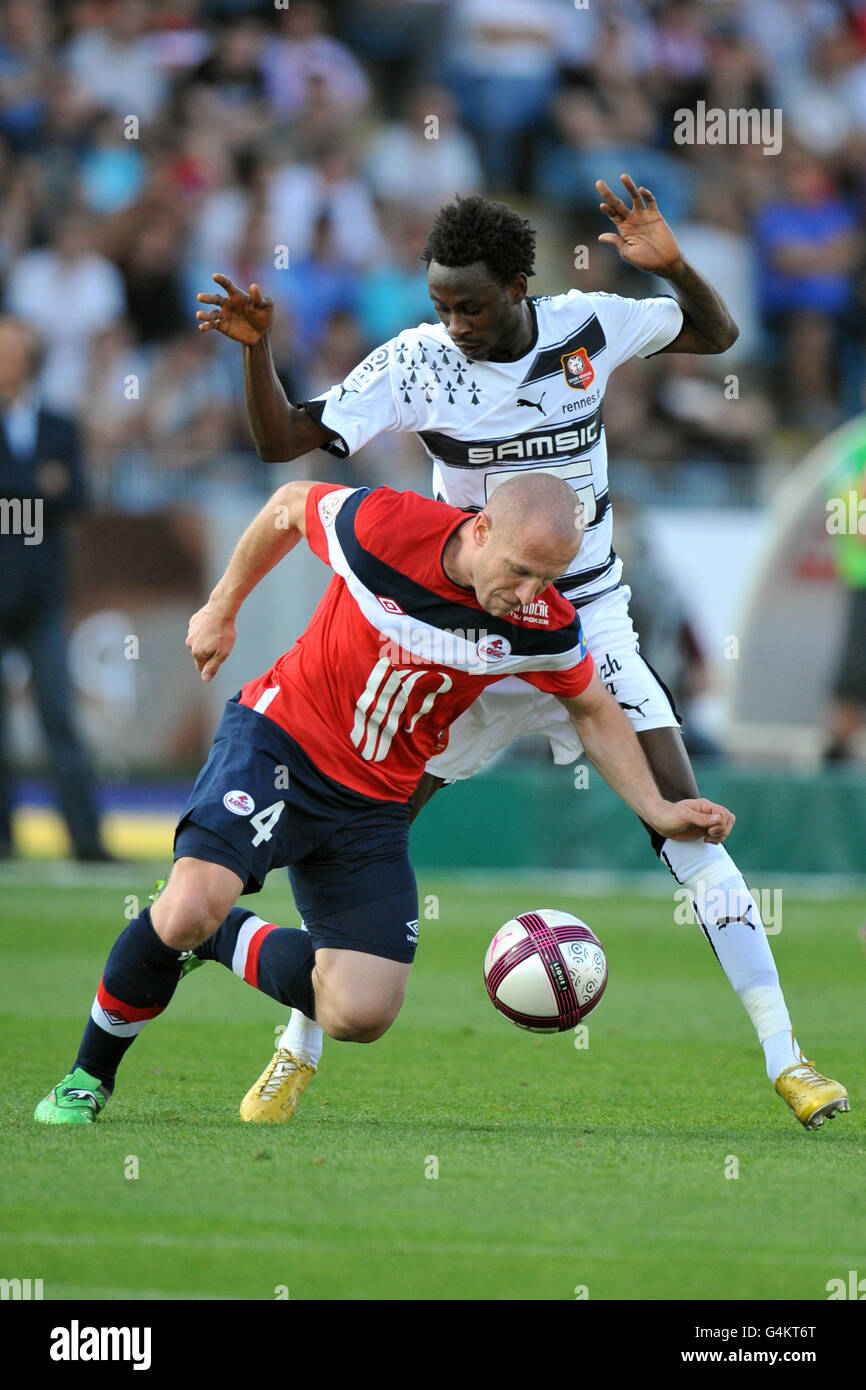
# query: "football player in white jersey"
506 383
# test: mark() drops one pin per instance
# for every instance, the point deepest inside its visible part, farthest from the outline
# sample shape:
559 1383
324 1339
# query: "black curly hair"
475 229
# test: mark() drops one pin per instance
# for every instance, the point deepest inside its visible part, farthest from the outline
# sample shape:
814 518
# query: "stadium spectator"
16 207
739 71
304 51
64 138
425 157
503 69
72 273
682 59
601 128
314 287
717 418
227 90
187 419
115 62
116 390
25 67
808 247
152 279
787 32
394 292
400 42
298 193
40 470
111 167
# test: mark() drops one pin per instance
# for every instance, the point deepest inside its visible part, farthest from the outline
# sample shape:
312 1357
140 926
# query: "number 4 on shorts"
263 822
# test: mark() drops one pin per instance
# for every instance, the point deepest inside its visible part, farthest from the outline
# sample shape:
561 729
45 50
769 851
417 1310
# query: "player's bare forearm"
267 540
280 431
708 325
612 746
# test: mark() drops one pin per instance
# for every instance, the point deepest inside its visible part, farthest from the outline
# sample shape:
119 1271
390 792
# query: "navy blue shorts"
260 803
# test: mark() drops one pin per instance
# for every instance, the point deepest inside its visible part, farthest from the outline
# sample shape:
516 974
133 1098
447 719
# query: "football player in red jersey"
426 608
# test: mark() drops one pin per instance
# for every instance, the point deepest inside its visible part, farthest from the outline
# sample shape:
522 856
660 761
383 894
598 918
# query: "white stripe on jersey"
481 421
435 646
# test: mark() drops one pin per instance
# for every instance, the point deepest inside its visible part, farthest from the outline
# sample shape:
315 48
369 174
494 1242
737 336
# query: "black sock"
140 976
276 960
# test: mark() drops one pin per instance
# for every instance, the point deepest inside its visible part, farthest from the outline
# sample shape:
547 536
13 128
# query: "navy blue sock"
276 960
140 976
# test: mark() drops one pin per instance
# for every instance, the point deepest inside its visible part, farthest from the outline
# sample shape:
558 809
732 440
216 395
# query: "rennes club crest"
579 371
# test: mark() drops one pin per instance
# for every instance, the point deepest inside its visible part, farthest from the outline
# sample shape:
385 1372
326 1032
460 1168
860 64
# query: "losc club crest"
492 649
579 371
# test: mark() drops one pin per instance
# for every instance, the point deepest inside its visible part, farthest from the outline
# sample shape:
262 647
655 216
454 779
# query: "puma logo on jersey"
623 705
536 405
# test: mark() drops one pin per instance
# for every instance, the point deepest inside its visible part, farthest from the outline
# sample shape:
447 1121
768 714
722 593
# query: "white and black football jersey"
482 422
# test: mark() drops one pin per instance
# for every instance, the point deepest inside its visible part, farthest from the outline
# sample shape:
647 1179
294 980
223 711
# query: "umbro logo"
390 605
412 931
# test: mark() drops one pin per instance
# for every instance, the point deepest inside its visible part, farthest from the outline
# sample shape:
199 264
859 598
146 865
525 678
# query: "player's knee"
184 919
360 1024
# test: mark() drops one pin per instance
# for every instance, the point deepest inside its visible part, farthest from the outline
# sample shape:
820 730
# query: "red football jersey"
395 651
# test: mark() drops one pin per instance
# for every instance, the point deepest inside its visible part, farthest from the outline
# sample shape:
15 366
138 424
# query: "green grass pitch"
559 1168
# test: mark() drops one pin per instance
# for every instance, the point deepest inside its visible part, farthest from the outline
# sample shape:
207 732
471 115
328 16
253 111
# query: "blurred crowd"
144 146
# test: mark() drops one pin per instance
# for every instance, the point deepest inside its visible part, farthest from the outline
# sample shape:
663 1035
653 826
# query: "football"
545 970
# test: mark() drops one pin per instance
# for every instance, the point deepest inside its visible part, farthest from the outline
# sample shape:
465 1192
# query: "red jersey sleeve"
566 683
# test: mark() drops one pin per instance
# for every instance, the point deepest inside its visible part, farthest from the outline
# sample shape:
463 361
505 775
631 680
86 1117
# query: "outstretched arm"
281 432
644 239
267 540
612 746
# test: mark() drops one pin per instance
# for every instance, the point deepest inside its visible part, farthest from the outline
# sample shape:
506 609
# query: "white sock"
303 1038
731 922
781 1051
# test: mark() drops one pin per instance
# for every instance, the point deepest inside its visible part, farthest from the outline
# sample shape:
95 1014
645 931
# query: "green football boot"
76 1100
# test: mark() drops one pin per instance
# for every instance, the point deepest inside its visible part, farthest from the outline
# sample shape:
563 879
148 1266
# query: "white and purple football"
545 970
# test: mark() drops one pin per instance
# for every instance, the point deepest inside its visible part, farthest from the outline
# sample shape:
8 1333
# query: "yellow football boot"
811 1096
274 1096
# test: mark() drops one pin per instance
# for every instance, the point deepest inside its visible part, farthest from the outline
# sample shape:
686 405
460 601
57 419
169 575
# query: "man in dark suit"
41 484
